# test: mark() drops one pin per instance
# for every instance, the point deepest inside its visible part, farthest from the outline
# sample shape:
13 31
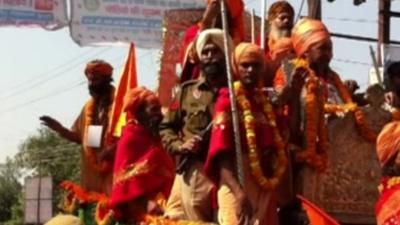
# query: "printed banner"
138 21
48 14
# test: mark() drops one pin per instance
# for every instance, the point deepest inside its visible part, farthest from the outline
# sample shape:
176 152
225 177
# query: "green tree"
50 155
10 189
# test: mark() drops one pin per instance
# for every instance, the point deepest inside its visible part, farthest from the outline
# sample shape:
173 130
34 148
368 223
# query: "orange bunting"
316 215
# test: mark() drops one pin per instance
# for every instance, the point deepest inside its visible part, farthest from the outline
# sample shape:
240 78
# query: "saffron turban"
282 45
135 98
246 51
388 142
98 67
215 36
306 33
279 7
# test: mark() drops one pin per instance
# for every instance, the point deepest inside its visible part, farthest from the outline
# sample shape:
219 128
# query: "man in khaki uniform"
184 131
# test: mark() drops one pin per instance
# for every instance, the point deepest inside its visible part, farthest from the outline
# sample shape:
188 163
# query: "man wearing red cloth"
387 147
263 148
143 172
96 170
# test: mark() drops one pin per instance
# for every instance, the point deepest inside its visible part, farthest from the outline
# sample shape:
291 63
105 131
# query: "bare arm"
60 129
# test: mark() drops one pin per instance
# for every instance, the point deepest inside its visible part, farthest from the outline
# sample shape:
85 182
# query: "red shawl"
142 167
222 140
388 207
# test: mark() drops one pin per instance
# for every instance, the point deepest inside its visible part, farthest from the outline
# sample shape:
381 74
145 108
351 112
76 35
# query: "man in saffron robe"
185 135
311 86
96 168
387 147
264 157
143 171
280 22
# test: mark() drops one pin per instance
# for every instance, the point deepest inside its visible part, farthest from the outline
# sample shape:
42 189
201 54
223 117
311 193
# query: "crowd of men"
189 156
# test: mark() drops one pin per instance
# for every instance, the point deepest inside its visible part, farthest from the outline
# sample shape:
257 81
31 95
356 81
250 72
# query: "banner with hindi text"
48 14
137 21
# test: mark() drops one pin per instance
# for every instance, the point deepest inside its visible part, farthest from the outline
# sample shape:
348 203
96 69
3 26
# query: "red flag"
127 81
315 214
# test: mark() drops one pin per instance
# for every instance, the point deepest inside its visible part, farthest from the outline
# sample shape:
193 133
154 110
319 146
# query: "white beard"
277 33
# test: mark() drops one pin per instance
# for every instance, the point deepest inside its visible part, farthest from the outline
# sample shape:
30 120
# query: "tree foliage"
10 189
48 154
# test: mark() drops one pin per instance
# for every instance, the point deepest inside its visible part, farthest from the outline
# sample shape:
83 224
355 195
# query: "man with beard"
263 148
185 135
96 170
143 171
280 23
312 88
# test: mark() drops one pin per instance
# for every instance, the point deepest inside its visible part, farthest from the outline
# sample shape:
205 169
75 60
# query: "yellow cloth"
215 36
64 220
307 32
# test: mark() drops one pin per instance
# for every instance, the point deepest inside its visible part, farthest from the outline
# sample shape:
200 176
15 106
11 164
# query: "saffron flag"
315 214
127 81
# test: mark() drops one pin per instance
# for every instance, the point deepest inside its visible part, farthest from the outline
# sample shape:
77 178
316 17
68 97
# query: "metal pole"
235 118
376 65
262 30
253 28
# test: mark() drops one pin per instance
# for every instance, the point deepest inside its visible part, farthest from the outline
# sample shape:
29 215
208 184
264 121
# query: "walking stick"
235 118
253 28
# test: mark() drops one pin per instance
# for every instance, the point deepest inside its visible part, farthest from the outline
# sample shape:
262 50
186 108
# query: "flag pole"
253 28
235 117
262 30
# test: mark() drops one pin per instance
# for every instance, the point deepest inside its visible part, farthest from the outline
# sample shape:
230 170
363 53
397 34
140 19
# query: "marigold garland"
91 154
363 128
249 124
315 127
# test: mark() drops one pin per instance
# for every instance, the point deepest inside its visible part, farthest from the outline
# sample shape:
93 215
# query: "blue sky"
41 71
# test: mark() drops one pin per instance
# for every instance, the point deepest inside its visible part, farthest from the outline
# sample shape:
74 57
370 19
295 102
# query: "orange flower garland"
365 131
315 127
91 154
249 124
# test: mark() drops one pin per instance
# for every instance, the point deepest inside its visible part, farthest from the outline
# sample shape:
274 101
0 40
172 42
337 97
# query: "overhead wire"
47 78
52 94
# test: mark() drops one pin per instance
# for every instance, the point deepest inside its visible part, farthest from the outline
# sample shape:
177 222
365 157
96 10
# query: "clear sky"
41 71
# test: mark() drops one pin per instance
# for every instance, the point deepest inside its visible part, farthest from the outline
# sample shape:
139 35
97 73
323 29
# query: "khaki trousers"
191 196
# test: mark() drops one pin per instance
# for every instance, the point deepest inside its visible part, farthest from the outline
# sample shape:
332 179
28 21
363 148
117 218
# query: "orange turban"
136 97
388 142
246 51
279 7
236 11
98 67
306 33
282 45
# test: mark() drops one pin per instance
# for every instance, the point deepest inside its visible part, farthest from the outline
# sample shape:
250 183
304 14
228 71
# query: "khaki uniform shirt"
189 115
